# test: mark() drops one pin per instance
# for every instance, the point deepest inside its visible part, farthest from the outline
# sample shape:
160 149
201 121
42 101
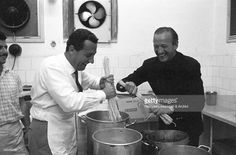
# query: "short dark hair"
78 37
172 31
2 36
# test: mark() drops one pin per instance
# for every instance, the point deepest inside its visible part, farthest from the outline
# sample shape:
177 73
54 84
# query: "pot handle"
130 123
148 143
83 118
204 147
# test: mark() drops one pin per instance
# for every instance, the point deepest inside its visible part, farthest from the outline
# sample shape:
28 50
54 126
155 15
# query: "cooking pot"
99 120
165 138
155 140
117 141
185 150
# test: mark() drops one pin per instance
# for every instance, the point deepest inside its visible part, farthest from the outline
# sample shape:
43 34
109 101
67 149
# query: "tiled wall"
206 42
223 59
219 74
120 66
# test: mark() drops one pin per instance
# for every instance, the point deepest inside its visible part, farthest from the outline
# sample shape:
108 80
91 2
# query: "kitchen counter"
220 113
220 122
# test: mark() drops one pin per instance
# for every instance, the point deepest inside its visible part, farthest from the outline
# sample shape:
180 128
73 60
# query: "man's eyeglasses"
1 47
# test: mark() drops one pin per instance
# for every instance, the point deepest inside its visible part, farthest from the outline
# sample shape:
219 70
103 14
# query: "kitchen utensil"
165 117
113 109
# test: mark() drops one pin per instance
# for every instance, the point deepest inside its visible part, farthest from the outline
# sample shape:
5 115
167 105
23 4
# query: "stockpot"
99 120
117 141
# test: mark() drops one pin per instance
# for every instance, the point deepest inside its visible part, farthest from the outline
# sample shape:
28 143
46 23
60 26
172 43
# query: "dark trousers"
38 142
193 140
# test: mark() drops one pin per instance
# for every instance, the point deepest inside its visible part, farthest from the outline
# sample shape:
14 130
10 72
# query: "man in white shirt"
56 95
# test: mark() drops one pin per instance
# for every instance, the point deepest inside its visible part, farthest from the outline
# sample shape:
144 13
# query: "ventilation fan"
95 16
14 14
92 14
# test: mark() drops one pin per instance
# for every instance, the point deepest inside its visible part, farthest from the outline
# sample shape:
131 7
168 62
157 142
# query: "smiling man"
12 106
57 94
172 75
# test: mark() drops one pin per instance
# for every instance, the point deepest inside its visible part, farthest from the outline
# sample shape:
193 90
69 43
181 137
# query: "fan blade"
91 6
93 22
100 13
85 15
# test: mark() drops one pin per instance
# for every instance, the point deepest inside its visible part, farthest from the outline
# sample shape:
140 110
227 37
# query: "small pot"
185 150
117 141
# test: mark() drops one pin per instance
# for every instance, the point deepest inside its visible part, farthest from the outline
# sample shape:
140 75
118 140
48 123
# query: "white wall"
223 59
138 19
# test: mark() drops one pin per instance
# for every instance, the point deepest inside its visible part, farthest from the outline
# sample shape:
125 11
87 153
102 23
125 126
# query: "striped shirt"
10 89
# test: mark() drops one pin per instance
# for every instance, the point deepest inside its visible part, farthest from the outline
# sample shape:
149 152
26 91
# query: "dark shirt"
179 78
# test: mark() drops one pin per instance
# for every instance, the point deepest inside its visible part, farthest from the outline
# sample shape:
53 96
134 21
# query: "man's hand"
131 88
109 90
158 110
106 79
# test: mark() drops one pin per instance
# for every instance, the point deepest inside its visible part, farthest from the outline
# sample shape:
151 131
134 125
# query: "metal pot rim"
182 146
163 142
124 144
105 121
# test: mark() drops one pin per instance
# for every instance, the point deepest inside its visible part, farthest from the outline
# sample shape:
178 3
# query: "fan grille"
14 14
92 14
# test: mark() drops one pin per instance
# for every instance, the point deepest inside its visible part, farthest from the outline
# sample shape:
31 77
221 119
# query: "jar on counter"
211 97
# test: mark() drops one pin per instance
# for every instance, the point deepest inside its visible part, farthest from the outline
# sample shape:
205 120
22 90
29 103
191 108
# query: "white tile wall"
22 75
36 62
233 61
222 74
24 63
218 65
30 76
218 71
123 61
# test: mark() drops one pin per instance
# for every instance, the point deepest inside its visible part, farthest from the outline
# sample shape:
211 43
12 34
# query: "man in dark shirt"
174 77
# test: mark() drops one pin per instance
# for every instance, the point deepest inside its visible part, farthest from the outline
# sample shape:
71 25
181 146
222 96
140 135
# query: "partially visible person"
173 77
12 106
57 95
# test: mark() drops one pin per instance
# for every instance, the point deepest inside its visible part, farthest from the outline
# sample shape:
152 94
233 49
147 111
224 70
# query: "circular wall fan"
14 14
92 14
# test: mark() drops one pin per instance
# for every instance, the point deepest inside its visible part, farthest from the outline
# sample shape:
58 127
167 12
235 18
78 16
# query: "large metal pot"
117 141
154 141
99 120
184 150
165 138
